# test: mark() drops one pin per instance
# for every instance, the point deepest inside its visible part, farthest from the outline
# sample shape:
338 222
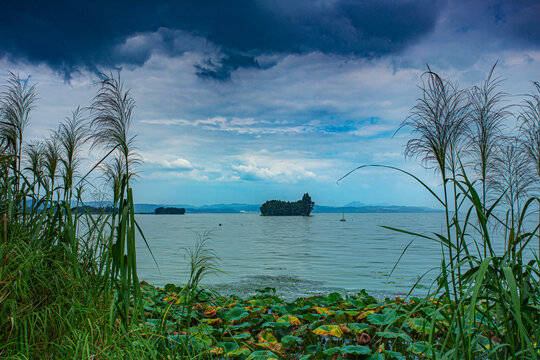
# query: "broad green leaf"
332 351
394 355
276 325
239 352
227 345
349 349
419 325
393 335
386 318
358 328
267 336
236 314
422 348
245 335
240 326
332 298
291 340
291 319
262 355
326 330
323 310
356 350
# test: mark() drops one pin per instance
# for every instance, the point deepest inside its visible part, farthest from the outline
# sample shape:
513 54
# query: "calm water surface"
298 256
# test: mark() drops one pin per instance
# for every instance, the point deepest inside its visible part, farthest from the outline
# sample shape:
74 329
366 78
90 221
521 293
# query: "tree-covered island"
169 211
288 208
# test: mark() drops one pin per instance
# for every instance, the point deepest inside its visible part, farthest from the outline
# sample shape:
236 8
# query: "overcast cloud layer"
241 101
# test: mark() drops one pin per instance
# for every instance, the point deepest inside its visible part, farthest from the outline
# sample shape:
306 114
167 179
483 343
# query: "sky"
242 101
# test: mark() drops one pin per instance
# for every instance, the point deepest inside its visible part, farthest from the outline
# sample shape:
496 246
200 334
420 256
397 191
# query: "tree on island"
287 208
307 205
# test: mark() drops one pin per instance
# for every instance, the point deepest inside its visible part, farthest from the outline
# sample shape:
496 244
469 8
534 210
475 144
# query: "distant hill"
355 204
236 208
374 209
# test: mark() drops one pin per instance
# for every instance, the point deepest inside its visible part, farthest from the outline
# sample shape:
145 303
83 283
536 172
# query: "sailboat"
343 218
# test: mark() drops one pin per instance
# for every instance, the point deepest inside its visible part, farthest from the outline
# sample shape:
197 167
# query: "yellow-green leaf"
326 330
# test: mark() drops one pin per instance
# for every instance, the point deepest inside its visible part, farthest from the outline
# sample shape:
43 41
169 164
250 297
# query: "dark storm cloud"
512 23
519 19
222 70
68 35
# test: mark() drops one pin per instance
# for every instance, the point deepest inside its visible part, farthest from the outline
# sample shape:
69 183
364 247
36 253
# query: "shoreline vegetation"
72 291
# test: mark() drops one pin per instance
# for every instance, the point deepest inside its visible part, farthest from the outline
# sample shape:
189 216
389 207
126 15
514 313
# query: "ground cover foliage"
68 279
320 327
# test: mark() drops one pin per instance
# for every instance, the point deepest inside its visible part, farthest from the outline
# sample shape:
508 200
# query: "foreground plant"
529 135
264 326
111 112
59 271
487 301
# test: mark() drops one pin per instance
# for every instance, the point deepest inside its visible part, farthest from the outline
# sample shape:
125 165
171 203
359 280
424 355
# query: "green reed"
487 302
67 277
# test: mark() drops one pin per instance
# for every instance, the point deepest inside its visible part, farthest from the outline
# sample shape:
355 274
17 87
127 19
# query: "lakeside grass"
72 291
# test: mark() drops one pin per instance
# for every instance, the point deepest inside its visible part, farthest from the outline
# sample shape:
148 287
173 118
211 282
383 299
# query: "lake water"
298 256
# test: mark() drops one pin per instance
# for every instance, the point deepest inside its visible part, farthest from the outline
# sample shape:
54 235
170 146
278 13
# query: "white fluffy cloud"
278 171
166 161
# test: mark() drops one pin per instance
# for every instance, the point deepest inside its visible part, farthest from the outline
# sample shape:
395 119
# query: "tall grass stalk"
512 179
111 113
529 135
439 122
34 160
203 261
489 115
17 101
72 135
51 162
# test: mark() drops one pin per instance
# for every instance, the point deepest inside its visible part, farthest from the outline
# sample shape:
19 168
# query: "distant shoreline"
312 214
237 208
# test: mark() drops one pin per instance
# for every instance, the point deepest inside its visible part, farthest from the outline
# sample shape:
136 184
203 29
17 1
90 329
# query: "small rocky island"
169 211
288 208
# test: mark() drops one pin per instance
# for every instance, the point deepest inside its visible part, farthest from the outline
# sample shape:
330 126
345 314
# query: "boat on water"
343 218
